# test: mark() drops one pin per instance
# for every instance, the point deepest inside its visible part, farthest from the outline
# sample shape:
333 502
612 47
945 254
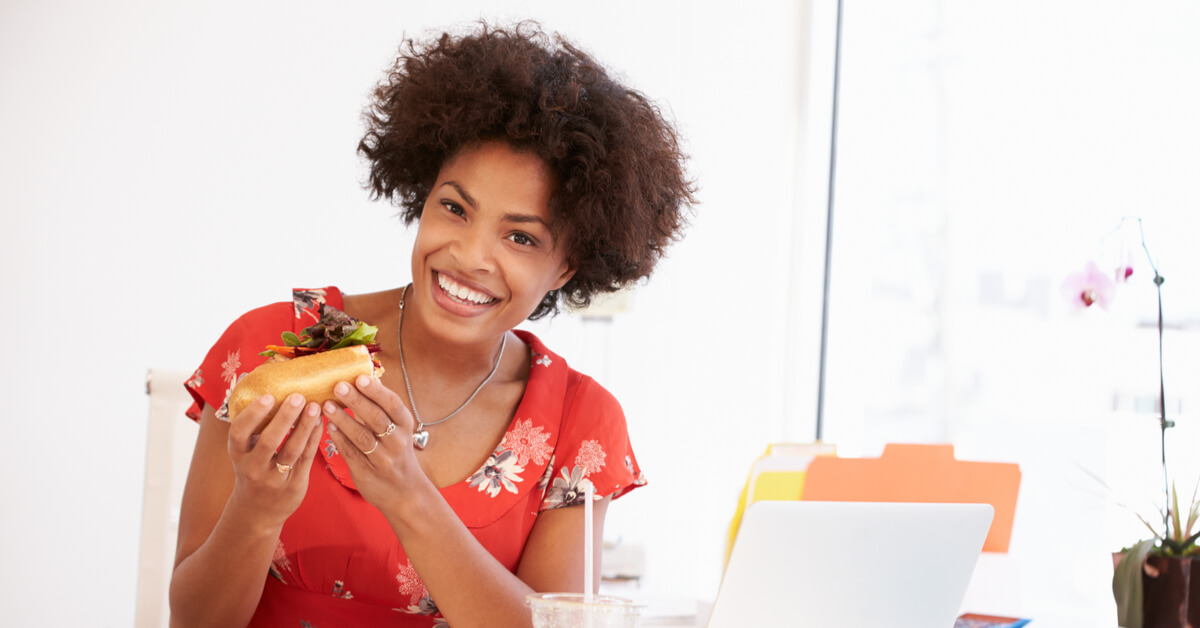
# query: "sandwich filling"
335 330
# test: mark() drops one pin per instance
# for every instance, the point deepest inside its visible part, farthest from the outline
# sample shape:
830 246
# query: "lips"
462 293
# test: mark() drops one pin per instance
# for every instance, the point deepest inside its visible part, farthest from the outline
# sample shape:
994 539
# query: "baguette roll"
312 376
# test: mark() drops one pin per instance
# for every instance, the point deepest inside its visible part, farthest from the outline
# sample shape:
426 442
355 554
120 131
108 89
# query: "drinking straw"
588 547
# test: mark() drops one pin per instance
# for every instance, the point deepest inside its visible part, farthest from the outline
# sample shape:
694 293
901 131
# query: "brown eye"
522 238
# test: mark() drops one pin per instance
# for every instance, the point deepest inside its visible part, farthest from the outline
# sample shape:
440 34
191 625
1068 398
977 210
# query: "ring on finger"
387 432
373 448
283 468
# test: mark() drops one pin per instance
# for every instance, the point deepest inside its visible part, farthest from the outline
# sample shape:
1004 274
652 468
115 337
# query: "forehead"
499 178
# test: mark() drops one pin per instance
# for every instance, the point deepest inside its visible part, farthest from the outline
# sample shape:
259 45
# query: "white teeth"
462 292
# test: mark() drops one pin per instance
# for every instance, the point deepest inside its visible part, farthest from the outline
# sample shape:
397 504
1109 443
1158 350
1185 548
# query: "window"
985 151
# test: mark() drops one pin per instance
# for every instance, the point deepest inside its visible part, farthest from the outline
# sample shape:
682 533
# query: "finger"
304 463
374 404
347 448
366 411
281 424
297 441
357 435
243 426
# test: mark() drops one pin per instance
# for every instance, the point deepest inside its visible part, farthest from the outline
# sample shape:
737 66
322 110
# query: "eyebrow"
526 219
511 217
463 193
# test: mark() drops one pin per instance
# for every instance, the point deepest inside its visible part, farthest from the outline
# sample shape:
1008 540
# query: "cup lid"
579 600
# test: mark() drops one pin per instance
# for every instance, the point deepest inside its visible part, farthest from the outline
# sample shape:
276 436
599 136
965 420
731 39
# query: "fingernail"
330 408
295 400
266 401
363 381
332 427
313 409
341 389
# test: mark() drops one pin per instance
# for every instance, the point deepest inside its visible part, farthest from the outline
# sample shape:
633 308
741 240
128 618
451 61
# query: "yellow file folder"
777 475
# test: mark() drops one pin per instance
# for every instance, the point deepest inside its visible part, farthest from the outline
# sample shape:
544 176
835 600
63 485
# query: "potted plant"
1156 582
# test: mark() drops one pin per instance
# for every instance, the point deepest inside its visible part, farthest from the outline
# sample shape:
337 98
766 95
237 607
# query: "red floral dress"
338 563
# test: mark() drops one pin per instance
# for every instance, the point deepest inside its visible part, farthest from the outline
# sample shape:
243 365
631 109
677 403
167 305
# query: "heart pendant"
420 438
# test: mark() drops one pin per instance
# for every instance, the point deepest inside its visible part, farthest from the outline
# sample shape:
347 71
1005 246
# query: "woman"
445 492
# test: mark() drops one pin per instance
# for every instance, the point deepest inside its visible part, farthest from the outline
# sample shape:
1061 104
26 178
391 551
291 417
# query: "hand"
271 468
382 474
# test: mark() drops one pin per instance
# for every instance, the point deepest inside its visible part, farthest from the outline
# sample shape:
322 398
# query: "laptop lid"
851 564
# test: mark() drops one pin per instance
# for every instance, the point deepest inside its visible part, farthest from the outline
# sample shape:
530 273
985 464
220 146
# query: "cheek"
428 239
543 278
418 244
426 244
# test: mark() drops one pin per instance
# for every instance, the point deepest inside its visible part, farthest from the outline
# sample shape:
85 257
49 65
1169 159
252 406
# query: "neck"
436 358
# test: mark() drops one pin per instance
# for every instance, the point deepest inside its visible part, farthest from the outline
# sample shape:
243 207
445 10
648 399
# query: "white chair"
170 439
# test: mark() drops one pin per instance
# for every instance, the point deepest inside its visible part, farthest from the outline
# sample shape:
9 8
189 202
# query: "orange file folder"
920 473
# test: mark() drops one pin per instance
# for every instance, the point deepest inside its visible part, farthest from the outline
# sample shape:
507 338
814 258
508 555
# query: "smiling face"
485 253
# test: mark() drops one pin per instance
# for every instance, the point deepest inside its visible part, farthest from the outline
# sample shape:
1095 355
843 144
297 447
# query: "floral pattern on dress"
500 471
233 361
591 456
423 606
410 583
542 359
339 591
223 411
527 442
196 381
280 563
544 481
639 479
306 300
568 490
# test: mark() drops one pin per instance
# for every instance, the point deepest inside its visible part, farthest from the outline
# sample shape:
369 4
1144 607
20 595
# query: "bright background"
165 167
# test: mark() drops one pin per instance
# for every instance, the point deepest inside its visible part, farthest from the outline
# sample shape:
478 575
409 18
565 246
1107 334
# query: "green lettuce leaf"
364 334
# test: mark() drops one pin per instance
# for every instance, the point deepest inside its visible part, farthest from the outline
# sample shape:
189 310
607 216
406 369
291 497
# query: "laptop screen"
851 564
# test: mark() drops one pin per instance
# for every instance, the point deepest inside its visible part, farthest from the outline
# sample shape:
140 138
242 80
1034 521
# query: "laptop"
851 565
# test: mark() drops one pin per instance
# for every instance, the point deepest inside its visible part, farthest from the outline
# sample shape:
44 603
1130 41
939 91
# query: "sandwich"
336 349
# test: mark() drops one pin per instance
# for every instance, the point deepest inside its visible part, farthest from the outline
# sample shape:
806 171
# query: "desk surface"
672 614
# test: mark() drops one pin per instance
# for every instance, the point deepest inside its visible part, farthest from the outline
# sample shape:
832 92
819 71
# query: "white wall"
165 167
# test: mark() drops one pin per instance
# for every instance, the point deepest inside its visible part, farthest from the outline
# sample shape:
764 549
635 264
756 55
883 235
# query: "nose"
476 250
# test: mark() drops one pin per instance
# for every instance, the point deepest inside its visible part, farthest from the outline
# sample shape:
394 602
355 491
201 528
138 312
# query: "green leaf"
1127 584
364 334
1178 535
290 339
1147 524
1195 512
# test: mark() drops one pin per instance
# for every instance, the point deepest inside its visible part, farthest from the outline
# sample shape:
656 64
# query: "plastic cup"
571 610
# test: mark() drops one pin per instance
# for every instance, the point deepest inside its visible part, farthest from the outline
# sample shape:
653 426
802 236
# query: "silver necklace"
420 434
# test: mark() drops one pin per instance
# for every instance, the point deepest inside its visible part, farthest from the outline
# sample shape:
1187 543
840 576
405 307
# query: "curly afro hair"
622 194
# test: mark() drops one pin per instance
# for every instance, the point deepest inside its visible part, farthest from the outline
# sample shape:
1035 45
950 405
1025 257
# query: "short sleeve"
234 355
593 451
